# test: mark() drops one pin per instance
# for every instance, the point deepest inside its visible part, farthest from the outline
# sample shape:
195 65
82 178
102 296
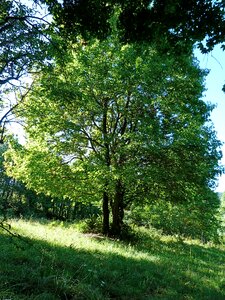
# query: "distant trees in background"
222 210
14 197
16 201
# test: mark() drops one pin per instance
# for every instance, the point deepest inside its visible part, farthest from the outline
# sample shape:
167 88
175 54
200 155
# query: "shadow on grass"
36 269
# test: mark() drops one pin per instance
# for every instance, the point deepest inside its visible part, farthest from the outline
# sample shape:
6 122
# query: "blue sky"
215 80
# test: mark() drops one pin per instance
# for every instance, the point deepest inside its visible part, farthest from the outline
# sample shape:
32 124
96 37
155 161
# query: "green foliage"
119 121
196 218
10 191
28 43
222 211
180 23
23 40
56 262
18 201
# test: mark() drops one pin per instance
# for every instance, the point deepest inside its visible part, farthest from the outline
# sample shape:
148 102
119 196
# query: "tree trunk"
118 209
105 210
105 203
7 194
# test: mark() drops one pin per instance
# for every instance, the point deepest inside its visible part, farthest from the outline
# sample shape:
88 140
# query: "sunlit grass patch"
54 261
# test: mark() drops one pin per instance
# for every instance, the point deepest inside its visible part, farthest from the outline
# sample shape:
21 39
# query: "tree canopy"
180 22
25 30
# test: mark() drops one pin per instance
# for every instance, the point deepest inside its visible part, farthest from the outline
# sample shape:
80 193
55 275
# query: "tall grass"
53 261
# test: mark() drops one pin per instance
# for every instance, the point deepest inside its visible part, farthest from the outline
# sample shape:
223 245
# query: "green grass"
53 261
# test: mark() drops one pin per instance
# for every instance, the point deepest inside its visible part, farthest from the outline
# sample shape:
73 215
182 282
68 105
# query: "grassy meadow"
57 261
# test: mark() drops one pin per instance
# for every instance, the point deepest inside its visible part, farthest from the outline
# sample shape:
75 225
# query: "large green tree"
118 124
